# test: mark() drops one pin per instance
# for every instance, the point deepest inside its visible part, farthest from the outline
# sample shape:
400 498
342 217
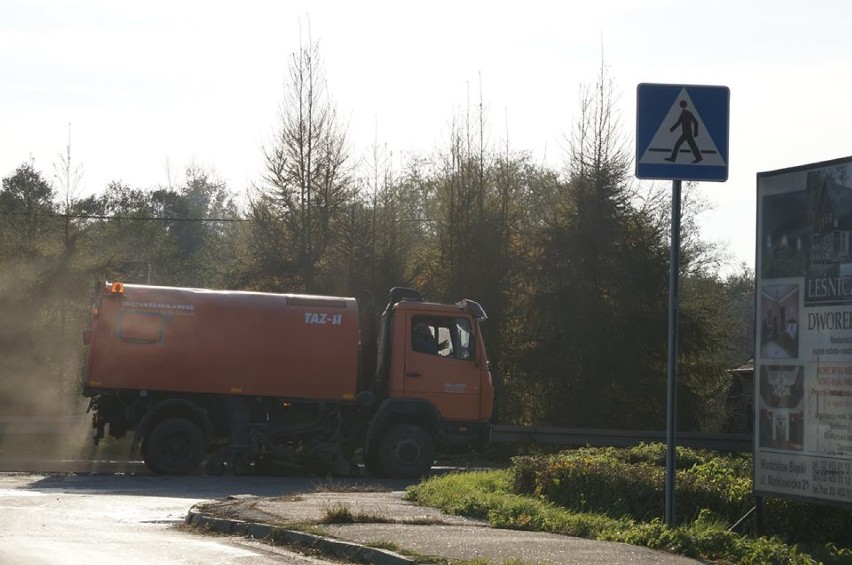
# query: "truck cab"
441 360
434 380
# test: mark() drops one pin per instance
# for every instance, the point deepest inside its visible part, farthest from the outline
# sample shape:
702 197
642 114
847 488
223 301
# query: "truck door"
440 365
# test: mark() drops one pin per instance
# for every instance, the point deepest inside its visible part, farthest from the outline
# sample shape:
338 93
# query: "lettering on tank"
322 318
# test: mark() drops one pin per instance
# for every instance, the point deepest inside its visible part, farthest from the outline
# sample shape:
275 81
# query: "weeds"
340 513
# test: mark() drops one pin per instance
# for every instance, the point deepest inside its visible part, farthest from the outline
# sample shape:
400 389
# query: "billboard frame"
803 321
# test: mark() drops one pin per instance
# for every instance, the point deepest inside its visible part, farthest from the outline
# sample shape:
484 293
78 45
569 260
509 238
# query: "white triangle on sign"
678 132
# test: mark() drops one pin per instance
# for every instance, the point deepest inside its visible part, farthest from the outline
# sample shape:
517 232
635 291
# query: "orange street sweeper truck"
259 380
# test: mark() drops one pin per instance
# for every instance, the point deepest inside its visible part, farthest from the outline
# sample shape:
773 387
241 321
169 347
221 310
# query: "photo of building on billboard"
829 274
782 407
784 235
779 325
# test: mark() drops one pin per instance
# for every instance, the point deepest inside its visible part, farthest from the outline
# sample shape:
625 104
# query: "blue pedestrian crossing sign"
682 132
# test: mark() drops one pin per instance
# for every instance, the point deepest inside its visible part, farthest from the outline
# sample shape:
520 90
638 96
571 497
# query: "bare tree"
306 181
68 176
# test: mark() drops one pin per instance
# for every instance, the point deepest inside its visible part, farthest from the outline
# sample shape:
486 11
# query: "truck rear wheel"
406 451
174 447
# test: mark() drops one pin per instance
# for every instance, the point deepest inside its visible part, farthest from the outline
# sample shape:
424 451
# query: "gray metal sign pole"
671 408
667 116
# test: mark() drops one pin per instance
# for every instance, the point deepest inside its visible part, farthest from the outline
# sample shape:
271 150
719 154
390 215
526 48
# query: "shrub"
806 523
631 482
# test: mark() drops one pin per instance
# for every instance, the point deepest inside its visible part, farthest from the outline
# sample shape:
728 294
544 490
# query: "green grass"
516 499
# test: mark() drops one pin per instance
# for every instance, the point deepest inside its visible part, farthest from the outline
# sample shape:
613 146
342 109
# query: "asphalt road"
113 518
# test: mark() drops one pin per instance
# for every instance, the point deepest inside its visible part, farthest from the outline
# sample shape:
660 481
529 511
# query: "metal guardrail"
618 438
58 425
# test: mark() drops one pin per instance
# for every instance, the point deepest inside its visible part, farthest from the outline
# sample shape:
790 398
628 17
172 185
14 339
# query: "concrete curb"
328 546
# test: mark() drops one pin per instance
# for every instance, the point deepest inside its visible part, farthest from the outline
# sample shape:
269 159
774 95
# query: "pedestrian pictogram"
689 130
682 132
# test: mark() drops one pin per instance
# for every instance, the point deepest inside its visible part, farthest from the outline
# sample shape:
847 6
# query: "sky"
148 88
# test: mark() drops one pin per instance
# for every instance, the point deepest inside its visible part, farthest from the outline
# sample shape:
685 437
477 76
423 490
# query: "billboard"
803 362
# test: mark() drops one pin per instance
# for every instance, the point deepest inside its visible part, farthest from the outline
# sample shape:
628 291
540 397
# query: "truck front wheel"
174 447
406 451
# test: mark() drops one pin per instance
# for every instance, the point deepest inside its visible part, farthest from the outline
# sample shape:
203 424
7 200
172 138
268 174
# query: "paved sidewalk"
384 519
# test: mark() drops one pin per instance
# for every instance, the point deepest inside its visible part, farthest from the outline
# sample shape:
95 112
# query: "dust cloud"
43 414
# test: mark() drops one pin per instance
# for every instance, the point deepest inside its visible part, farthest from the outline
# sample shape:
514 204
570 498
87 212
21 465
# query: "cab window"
444 336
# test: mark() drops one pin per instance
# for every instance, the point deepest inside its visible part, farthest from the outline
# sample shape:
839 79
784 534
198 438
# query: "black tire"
406 452
174 447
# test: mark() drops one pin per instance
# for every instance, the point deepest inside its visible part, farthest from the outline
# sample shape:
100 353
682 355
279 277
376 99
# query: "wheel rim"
174 447
407 451
177 448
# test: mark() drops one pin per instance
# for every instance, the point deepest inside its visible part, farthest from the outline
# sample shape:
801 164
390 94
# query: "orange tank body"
248 343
